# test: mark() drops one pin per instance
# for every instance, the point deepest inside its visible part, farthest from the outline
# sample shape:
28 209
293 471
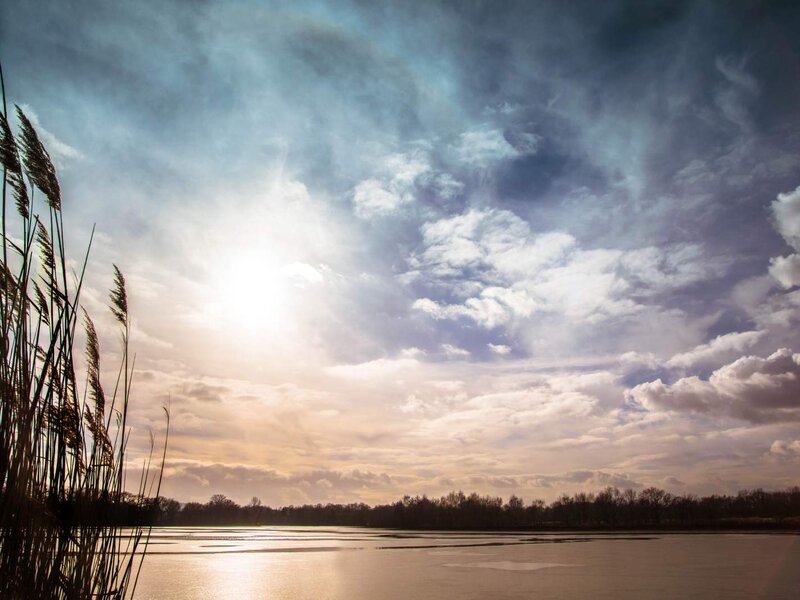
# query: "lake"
333 563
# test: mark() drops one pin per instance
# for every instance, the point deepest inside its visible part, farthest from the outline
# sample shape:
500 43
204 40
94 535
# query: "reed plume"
62 454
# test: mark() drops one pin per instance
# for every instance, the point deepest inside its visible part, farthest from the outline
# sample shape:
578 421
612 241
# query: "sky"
387 248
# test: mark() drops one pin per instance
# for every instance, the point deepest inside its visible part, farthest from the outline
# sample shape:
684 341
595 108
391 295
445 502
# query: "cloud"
301 274
374 369
454 351
786 269
734 100
786 212
411 352
61 152
508 273
497 415
586 477
579 442
786 216
785 448
500 349
482 147
496 306
720 348
610 199
371 199
734 71
758 390
242 482
400 178
445 185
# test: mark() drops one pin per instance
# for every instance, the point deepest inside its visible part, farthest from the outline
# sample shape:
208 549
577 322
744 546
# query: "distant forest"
609 509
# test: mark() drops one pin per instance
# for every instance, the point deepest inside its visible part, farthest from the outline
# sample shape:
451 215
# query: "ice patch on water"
456 553
509 565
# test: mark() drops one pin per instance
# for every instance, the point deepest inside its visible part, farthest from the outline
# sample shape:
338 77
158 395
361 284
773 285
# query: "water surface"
326 563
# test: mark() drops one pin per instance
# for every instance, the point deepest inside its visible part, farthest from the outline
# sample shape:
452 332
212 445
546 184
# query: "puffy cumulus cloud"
503 272
786 211
754 389
778 313
786 269
495 306
722 347
487 243
786 216
397 180
394 188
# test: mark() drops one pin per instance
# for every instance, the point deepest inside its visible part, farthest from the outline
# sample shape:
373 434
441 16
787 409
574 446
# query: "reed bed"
62 439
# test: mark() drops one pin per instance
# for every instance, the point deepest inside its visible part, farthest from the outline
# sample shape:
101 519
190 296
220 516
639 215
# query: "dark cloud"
199 480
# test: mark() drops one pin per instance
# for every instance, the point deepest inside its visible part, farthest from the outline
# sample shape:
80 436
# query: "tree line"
611 508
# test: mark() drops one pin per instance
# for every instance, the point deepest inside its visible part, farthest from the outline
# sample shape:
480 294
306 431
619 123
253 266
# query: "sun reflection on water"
241 575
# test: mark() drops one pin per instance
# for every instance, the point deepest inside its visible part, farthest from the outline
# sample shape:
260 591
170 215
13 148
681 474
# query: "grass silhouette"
62 445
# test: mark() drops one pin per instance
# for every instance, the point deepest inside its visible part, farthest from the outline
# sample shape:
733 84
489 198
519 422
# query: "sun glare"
251 294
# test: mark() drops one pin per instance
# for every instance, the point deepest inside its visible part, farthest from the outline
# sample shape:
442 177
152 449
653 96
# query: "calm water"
323 563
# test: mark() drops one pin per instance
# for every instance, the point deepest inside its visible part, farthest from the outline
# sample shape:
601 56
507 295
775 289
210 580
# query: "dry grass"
62 450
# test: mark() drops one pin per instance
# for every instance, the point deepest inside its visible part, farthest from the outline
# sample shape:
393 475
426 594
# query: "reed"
62 444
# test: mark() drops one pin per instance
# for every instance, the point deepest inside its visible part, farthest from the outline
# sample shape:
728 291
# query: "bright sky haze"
377 249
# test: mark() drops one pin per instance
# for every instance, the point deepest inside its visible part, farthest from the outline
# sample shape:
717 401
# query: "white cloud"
579 442
496 415
446 186
482 147
302 274
59 151
496 306
396 182
412 352
501 349
720 348
371 199
383 196
786 211
785 448
786 270
454 351
412 404
374 369
751 388
504 272
786 215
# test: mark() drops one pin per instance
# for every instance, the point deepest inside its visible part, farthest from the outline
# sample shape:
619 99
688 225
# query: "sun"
250 294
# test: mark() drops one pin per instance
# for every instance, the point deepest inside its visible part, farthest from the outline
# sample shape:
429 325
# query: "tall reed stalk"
62 444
